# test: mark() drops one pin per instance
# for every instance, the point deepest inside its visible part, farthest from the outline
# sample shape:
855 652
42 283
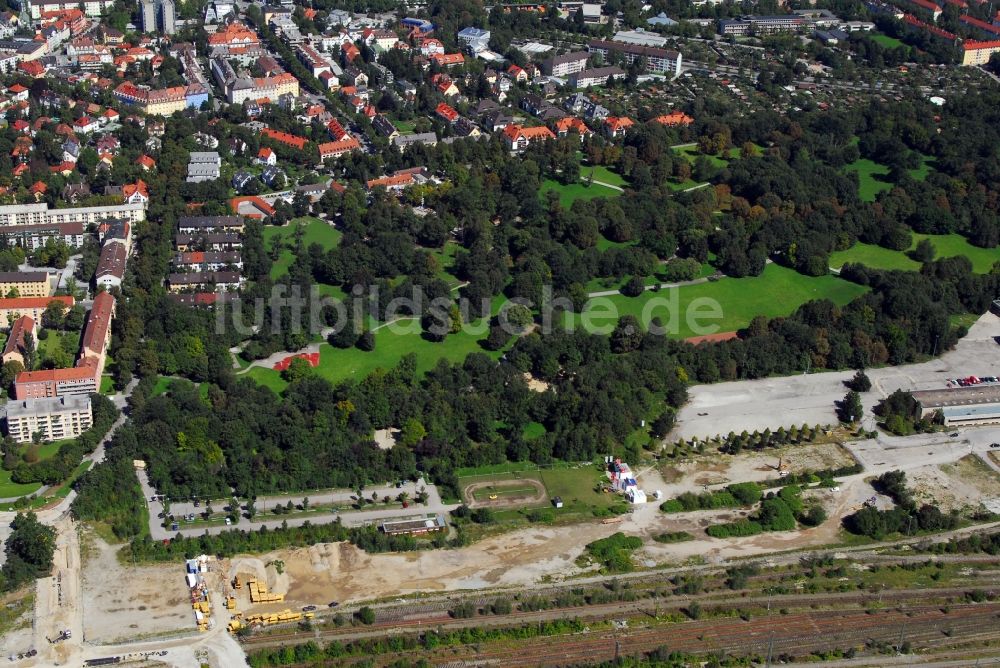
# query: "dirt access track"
520 492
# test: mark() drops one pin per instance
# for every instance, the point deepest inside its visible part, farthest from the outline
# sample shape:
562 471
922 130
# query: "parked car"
308 608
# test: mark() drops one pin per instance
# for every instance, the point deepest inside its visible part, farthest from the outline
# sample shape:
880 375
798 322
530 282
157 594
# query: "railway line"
441 620
794 634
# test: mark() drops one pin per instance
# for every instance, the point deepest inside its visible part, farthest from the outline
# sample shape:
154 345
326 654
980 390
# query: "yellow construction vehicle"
493 497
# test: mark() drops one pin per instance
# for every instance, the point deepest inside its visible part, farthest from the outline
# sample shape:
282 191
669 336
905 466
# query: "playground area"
312 358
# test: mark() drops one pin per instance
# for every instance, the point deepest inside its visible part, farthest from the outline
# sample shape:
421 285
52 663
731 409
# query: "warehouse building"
962 406
414 527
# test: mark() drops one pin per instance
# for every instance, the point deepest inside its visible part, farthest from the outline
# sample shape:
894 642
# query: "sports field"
577 487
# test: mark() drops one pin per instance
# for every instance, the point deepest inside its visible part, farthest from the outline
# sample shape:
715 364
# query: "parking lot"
770 403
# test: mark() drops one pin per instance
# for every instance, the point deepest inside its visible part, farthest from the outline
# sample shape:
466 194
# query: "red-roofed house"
147 163
294 141
85 125
430 45
617 126
251 207
38 189
335 149
396 182
565 125
448 59
518 138
517 73
15 348
32 68
136 193
267 156
674 118
445 111
350 51
336 130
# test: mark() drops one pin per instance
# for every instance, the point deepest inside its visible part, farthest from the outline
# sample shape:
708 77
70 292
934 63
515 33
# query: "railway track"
440 619
794 634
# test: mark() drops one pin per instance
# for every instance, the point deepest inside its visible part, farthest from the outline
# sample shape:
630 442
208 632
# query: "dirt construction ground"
342 572
965 485
692 475
127 602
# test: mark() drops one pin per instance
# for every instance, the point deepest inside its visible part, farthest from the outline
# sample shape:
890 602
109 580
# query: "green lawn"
405 127
338 364
533 430
107 385
873 256
776 292
316 232
445 257
950 245
886 41
10 489
603 243
869 171
68 341
576 487
574 191
947 245
603 174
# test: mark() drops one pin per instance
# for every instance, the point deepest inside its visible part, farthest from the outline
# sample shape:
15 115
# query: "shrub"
734 529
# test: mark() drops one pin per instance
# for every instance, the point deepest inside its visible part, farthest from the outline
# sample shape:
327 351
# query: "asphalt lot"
782 402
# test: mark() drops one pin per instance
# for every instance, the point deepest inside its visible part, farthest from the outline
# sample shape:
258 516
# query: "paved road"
264 518
659 286
809 398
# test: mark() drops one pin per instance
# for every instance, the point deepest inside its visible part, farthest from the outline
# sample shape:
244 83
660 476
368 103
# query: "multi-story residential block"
56 418
204 166
565 64
657 60
208 280
12 308
111 265
30 237
41 214
36 8
205 224
162 101
78 380
597 76
16 347
201 261
25 284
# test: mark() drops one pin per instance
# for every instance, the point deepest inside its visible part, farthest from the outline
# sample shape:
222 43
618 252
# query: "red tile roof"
95 332
285 138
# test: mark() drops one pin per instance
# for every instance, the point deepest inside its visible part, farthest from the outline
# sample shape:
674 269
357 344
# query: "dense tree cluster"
905 518
29 549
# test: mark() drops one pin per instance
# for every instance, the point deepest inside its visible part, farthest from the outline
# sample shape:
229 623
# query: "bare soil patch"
121 602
